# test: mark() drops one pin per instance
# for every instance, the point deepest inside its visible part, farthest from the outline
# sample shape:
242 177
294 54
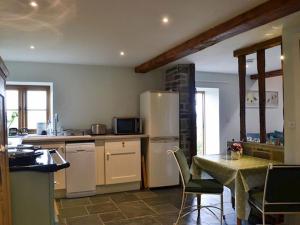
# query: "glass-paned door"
200 111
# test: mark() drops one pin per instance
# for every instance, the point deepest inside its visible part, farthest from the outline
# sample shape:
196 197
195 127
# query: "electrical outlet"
291 124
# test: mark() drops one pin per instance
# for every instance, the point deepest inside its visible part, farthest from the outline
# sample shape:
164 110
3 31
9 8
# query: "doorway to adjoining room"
208 125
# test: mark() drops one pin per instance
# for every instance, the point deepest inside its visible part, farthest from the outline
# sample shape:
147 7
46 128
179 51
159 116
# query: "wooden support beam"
242 84
258 16
261 67
274 73
258 46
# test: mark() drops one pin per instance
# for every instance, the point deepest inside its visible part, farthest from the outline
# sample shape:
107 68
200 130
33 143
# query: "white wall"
87 94
274 116
228 86
291 68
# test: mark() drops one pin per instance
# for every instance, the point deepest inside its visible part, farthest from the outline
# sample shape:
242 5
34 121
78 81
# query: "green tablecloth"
239 175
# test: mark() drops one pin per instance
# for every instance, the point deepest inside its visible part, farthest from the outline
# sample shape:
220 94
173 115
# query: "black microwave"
128 125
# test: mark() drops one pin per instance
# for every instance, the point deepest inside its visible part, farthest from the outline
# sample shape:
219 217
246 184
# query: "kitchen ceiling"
219 58
118 32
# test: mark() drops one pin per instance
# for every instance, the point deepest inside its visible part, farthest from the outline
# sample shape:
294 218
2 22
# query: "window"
27 106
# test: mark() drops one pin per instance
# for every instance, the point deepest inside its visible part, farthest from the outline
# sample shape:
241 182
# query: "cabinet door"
122 161
59 176
100 163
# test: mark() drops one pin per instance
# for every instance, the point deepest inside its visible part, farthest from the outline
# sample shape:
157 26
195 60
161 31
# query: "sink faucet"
55 121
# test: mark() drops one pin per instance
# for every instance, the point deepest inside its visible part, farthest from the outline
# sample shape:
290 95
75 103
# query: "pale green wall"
87 94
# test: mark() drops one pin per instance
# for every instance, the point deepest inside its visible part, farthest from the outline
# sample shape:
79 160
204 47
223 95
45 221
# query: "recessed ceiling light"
32 47
33 4
122 53
165 20
282 57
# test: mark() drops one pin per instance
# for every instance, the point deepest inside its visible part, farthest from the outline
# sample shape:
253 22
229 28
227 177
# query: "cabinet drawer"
123 146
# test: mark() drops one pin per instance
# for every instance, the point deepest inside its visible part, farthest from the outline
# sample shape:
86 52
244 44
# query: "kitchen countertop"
111 136
42 163
39 138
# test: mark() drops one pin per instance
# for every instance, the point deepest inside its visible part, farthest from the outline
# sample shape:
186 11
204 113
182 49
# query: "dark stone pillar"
181 78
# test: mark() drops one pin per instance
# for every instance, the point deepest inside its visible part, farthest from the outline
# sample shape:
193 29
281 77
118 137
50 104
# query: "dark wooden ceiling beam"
274 73
259 46
260 15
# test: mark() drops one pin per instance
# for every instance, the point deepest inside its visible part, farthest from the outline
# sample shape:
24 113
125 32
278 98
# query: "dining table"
239 176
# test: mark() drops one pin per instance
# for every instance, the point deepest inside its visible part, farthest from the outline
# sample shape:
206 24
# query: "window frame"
22 107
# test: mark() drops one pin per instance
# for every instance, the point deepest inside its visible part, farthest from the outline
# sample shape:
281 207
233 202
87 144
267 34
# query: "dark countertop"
43 163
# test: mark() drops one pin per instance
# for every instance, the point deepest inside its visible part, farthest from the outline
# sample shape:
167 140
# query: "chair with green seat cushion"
205 186
281 192
195 186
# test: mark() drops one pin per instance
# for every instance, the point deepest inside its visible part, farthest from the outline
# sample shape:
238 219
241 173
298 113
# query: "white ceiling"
219 58
95 31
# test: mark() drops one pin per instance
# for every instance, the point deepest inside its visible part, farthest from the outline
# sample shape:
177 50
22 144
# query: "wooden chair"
281 192
195 186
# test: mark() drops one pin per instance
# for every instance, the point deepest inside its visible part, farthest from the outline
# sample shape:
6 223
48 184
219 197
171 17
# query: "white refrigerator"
160 113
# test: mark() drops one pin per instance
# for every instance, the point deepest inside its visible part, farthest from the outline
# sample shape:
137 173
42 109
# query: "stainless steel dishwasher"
81 175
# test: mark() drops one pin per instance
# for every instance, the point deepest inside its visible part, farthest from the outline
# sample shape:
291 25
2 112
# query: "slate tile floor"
155 207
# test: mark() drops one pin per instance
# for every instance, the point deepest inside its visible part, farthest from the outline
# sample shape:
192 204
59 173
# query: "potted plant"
12 118
236 150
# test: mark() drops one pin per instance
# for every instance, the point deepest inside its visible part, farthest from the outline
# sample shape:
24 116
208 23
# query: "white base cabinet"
100 166
118 161
122 161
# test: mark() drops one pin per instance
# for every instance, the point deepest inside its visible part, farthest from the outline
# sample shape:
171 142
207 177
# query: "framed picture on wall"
252 99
